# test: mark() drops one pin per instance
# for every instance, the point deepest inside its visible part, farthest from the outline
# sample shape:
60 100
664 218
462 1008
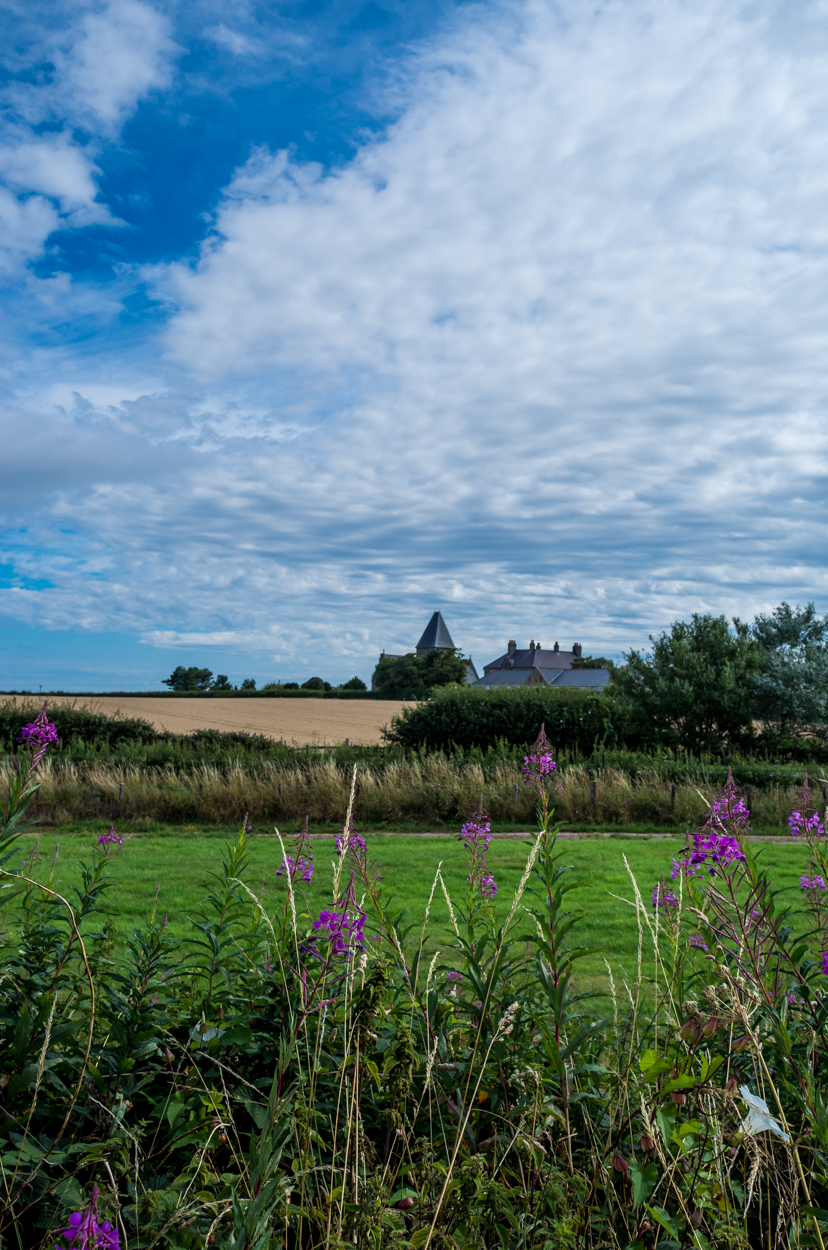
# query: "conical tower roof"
435 635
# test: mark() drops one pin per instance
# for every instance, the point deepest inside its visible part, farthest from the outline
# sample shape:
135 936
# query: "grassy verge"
179 862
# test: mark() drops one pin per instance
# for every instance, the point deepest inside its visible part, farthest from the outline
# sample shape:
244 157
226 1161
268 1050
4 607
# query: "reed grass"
433 791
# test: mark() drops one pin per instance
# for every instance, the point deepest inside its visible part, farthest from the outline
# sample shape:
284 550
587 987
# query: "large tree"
188 679
412 676
696 689
792 689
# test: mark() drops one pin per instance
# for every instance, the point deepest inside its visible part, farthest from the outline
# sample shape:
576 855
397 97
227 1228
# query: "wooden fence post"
515 793
673 797
593 796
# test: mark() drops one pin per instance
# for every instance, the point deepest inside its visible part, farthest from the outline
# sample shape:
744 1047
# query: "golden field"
305 722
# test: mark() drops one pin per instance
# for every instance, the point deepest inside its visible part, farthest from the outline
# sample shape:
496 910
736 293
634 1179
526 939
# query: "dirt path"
304 722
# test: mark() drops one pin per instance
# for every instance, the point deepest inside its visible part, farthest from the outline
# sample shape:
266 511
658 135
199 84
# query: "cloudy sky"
319 316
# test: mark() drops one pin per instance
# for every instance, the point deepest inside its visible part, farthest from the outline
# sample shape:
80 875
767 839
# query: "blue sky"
318 317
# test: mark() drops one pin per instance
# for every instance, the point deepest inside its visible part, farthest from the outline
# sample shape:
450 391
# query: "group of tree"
708 684
194 679
413 676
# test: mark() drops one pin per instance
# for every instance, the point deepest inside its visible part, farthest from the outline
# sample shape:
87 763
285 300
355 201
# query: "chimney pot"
511 646
556 647
532 645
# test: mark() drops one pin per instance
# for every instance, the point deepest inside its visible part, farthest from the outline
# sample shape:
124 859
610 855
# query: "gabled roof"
533 658
435 635
577 678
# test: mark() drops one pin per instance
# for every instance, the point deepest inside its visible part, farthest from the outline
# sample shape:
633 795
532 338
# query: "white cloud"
116 58
105 62
548 354
234 41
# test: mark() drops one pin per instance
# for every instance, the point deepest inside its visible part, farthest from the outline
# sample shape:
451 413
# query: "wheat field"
303 722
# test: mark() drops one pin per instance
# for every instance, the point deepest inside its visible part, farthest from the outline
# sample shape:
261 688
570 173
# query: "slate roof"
584 678
574 678
532 658
435 635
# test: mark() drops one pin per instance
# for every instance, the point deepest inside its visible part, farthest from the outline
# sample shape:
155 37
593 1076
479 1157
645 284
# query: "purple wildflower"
718 844
814 884
664 898
39 735
539 768
86 1232
698 940
353 841
451 975
805 819
476 834
823 963
299 865
343 929
808 824
110 839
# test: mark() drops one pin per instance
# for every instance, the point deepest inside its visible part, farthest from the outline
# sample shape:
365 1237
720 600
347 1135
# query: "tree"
222 682
592 661
188 678
792 689
355 683
696 690
249 683
412 676
316 683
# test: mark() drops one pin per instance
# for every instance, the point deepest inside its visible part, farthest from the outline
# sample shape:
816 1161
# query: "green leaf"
644 1181
654 1070
174 1111
665 1220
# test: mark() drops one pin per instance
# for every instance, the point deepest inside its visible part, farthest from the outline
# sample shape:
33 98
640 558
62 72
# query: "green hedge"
194 694
575 719
75 724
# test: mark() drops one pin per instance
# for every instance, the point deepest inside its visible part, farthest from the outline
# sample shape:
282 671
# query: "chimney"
576 648
532 645
511 646
556 647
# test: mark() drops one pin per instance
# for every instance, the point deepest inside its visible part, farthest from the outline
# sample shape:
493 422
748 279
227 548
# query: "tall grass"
435 790
287 1081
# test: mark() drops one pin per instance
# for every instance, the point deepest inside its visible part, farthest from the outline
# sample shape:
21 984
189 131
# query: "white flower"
759 1119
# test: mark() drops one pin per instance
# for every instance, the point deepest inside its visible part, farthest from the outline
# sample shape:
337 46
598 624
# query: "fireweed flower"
343 929
698 940
86 1232
38 736
664 898
540 771
805 819
717 844
812 886
451 975
823 962
110 839
476 834
353 842
296 866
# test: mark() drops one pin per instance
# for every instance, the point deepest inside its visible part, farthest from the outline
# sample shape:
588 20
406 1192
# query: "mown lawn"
180 862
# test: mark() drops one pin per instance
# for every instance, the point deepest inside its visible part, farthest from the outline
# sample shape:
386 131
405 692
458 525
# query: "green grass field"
179 862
